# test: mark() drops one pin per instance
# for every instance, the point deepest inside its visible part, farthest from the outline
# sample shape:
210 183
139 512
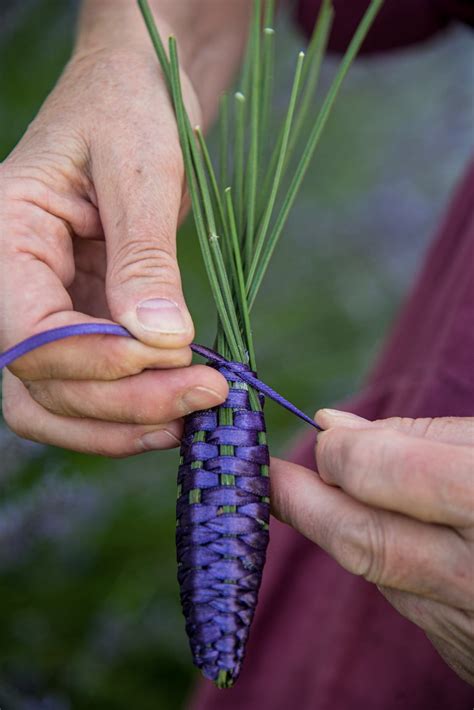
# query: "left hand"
394 503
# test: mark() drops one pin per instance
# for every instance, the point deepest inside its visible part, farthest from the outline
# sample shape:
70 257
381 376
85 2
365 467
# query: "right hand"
90 200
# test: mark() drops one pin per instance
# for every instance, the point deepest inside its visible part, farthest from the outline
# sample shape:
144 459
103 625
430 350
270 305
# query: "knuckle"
42 393
113 365
353 457
30 229
364 547
49 242
118 360
141 259
18 183
10 188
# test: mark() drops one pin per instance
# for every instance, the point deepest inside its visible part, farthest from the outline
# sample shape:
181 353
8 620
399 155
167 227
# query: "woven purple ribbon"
222 515
223 507
69 331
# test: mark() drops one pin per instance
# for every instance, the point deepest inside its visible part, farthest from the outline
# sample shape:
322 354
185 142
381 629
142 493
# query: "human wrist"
210 41
113 28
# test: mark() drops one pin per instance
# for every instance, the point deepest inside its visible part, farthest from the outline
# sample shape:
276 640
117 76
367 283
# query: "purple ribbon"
69 331
222 531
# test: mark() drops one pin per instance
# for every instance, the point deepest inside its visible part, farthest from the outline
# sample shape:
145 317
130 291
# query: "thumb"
139 188
450 430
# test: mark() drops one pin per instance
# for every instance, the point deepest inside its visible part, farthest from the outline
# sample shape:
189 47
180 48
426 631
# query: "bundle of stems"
240 211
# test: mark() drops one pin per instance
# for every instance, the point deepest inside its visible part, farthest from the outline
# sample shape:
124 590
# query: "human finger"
385 548
450 430
31 421
94 357
152 397
428 480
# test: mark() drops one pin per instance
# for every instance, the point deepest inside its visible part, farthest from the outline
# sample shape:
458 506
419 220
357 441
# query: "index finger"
425 479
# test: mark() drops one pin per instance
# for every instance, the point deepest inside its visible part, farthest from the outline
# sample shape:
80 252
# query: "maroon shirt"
322 638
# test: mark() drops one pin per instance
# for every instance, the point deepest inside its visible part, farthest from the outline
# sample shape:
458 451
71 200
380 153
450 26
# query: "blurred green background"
89 609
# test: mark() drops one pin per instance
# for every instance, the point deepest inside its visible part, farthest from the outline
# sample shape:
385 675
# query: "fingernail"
329 417
161 316
340 413
200 398
159 439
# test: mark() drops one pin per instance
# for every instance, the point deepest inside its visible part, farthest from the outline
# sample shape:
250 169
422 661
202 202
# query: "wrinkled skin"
393 501
89 204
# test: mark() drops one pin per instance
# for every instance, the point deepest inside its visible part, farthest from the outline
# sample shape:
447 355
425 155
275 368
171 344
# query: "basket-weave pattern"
222 528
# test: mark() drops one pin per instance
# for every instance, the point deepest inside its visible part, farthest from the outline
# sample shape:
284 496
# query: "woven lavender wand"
222 509
222 529
223 483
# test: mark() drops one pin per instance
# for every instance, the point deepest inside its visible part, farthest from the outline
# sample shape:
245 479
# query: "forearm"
211 36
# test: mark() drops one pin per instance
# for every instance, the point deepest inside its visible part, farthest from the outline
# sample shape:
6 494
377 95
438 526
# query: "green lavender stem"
270 202
239 156
216 279
311 145
253 159
240 277
224 135
309 82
